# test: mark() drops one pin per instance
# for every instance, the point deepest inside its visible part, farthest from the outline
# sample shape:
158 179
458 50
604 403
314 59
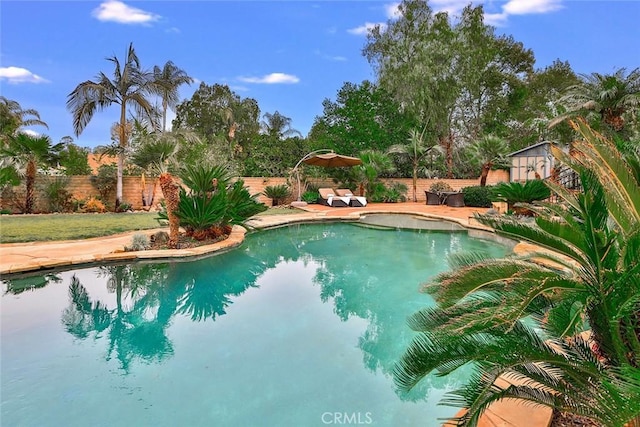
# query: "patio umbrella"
332 160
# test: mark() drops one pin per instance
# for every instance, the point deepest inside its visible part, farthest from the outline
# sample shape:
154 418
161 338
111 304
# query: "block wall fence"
81 188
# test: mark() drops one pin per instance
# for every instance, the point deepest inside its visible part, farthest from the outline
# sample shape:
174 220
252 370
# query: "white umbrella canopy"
332 160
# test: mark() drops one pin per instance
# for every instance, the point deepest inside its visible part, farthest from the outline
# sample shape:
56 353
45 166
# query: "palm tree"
28 152
416 150
130 86
609 95
167 80
13 118
374 163
520 320
159 153
278 126
489 151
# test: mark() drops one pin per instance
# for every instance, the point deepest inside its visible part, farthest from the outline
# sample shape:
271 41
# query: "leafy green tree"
417 149
130 87
272 157
487 152
167 80
221 118
523 117
614 98
29 152
520 320
363 117
13 118
446 75
73 158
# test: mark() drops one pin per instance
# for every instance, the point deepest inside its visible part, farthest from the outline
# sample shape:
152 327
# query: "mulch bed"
186 242
563 419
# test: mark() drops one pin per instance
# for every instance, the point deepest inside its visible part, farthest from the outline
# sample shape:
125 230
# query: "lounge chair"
355 201
328 197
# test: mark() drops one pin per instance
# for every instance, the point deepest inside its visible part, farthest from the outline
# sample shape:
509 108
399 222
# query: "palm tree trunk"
415 182
119 179
30 181
485 172
171 193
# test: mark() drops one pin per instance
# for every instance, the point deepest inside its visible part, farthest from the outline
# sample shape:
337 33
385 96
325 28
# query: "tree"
167 80
363 117
220 117
73 158
591 281
29 152
130 87
13 118
489 151
611 96
445 75
416 150
278 126
158 152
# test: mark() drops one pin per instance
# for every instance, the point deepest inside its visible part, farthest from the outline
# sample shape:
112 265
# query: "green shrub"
439 186
139 242
310 196
394 193
214 204
124 207
58 198
477 196
277 193
516 192
105 181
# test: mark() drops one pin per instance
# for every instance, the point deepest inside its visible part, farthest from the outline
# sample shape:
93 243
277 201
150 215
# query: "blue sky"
288 55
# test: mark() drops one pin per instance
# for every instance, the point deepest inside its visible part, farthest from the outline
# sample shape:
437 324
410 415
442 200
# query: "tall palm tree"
521 320
608 95
28 152
130 87
167 80
416 150
489 151
159 153
13 118
278 126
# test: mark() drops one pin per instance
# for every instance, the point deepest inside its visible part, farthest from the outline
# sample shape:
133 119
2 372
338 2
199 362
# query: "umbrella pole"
297 170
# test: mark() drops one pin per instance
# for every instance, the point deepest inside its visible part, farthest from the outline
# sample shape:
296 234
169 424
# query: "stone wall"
81 188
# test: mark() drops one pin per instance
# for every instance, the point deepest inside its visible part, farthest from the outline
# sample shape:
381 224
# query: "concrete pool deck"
35 256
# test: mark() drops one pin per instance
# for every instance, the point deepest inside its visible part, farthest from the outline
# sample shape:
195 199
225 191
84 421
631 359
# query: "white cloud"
525 7
173 30
363 30
273 78
495 19
29 132
20 75
392 10
117 11
238 88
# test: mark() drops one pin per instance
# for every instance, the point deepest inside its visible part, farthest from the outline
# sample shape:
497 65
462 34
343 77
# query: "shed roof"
530 147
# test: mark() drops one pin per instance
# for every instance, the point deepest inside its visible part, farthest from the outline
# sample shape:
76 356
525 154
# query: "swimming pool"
300 325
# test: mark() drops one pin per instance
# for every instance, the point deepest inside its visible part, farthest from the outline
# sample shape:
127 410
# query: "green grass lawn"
34 228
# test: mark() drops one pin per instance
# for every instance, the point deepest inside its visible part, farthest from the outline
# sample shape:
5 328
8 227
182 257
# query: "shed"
532 162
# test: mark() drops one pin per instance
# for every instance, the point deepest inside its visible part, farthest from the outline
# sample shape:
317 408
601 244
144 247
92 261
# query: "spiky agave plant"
519 320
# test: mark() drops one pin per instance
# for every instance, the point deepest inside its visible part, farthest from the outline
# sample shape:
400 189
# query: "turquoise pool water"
300 326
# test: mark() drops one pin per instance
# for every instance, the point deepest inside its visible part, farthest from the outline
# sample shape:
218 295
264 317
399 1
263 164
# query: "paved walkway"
25 257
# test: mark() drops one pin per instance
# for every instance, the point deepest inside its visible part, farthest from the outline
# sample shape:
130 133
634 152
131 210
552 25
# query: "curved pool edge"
20 258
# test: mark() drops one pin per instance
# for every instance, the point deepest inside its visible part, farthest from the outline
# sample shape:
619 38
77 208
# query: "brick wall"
81 188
